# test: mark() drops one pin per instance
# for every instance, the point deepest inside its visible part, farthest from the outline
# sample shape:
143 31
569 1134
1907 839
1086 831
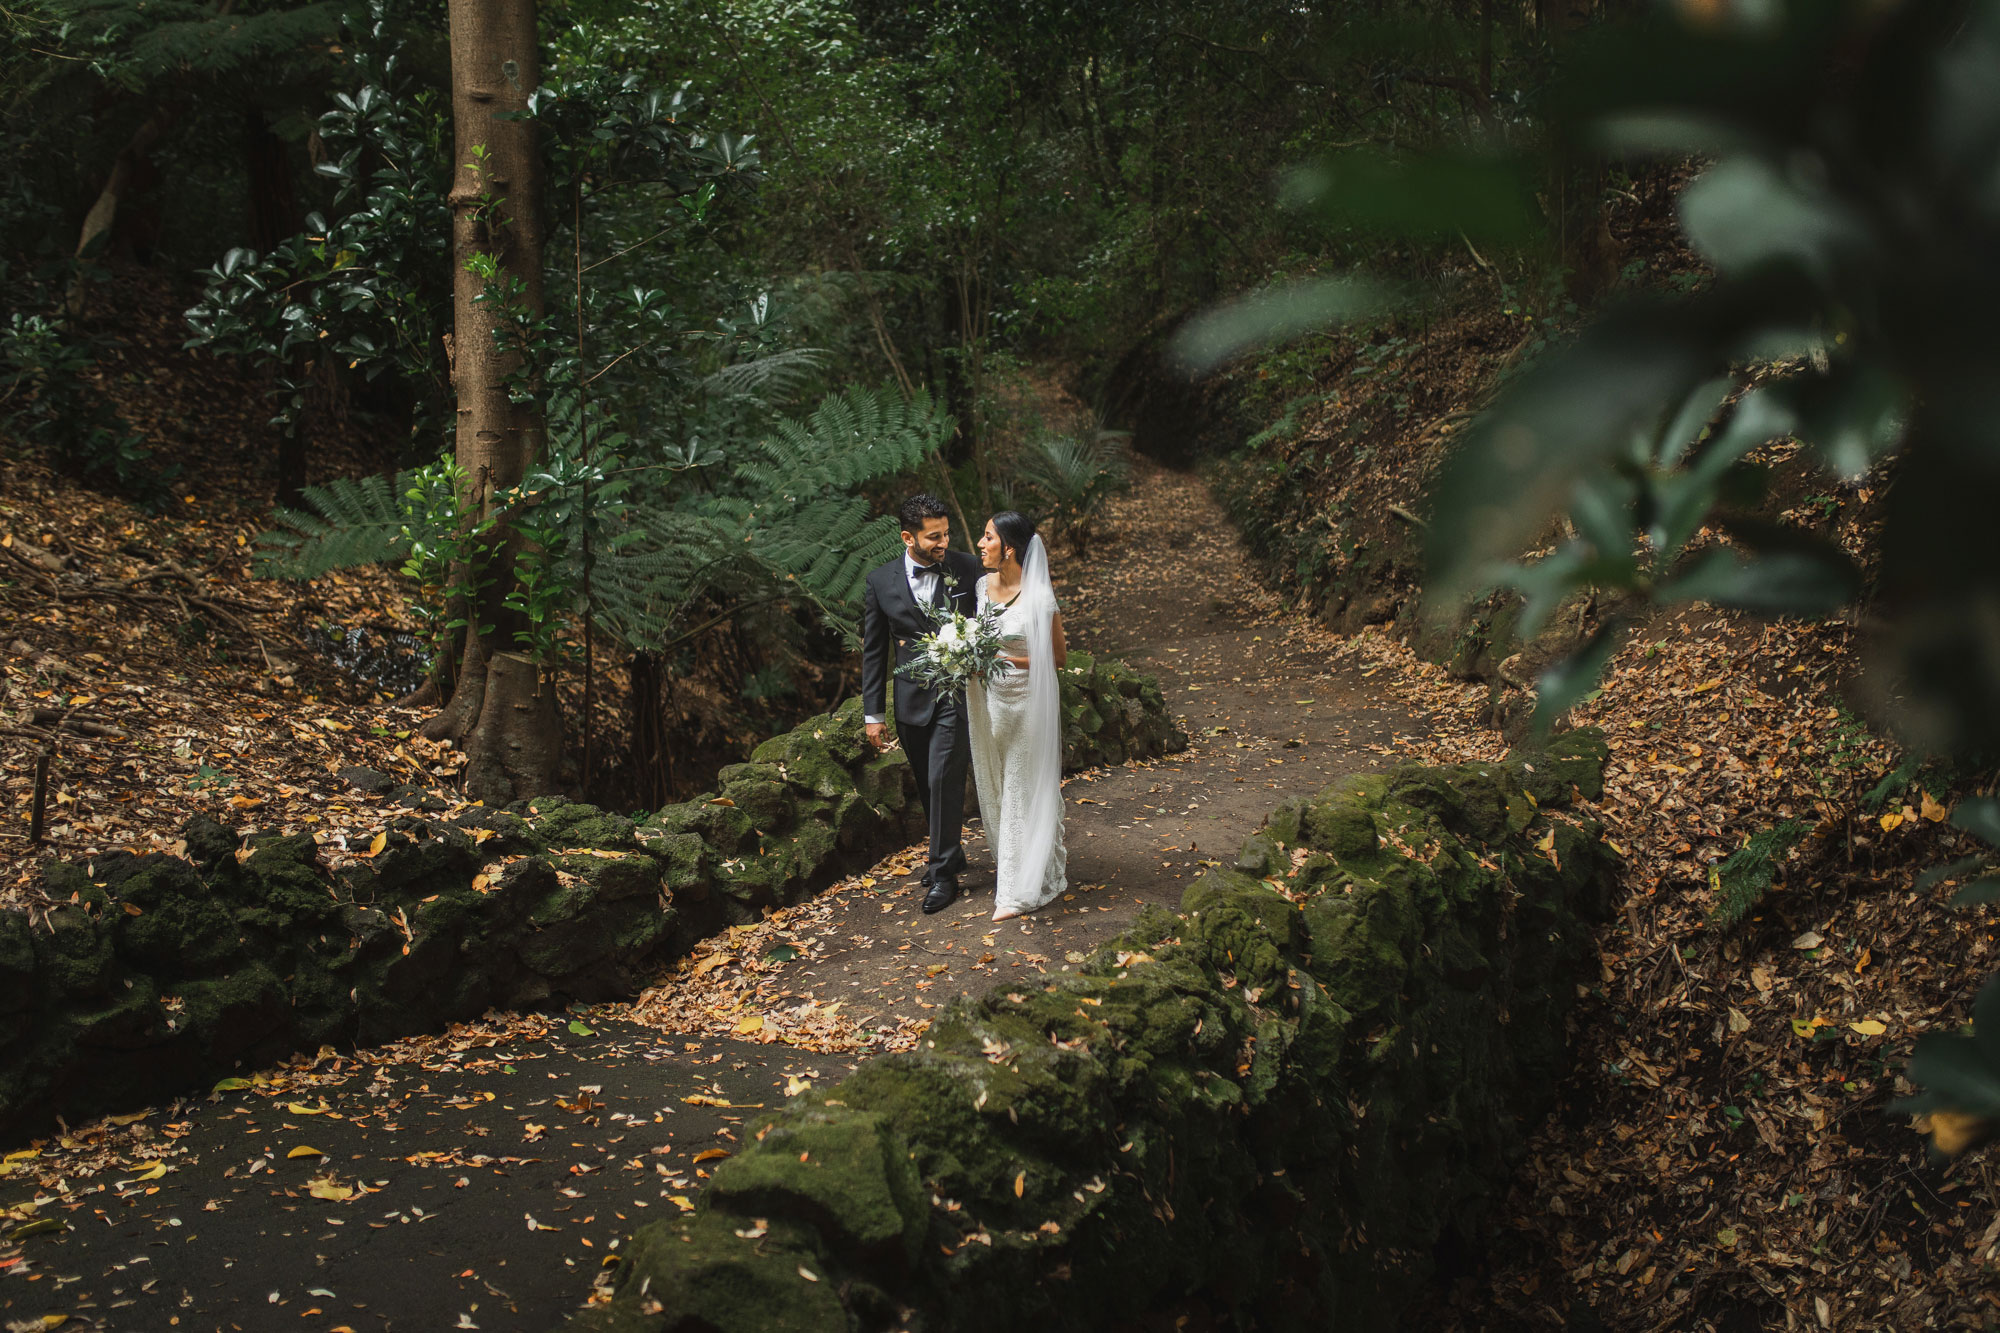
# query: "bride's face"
990 548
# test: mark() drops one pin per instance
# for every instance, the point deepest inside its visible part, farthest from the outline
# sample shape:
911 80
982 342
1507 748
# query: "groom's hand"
875 736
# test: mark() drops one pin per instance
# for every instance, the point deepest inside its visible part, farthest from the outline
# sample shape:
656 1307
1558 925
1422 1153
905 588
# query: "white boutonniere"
951 582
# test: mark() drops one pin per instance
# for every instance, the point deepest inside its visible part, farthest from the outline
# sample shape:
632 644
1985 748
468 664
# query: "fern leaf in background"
352 522
169 37
768 382
1071 477
808 524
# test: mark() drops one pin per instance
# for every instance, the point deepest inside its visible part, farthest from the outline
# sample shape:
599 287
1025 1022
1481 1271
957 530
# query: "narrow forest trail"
480 1178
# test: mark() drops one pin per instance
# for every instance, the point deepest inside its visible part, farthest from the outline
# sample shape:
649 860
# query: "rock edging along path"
153 975
1275 1101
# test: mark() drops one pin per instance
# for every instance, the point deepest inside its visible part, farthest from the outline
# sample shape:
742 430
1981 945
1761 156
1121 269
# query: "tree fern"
353 521
792 522
643 583
1072 476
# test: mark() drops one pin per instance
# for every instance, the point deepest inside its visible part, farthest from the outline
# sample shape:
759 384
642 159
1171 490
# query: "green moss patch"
158 975
1279 1098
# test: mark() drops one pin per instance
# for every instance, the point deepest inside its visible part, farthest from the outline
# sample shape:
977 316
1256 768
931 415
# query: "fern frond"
173 36
1741 882
768 382
644 583
352 522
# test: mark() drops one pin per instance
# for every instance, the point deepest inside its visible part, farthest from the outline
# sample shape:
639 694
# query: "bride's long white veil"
1042 822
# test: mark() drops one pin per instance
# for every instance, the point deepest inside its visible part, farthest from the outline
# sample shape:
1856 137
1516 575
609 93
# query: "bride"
1016 722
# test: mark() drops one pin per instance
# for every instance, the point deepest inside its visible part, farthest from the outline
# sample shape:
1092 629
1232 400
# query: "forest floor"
522 1148
1722 1157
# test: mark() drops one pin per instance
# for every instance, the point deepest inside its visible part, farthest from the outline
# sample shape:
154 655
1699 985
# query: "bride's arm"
1058 648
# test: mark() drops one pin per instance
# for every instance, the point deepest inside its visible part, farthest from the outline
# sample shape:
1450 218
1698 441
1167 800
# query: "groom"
930 723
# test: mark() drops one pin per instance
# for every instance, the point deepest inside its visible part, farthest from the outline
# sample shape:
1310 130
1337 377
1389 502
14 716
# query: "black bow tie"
918 571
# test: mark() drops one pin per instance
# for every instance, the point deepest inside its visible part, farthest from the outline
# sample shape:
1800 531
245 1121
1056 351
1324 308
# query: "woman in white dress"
1016 723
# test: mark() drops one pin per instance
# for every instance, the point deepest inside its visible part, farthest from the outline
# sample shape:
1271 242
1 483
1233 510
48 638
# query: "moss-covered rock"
1277 1100
858 1188
157 973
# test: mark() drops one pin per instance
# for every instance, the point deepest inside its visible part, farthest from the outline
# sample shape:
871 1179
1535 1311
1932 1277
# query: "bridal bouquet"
960 650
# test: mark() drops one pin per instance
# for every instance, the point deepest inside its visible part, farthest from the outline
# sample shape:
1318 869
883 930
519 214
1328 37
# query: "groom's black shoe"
942 894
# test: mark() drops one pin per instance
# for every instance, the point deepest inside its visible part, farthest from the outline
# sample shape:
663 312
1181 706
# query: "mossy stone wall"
1271 1106
156 974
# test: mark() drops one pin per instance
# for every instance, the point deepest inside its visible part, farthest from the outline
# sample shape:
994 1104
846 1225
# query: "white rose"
950 636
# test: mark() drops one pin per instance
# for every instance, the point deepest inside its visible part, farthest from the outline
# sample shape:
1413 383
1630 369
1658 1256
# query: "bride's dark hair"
1016 531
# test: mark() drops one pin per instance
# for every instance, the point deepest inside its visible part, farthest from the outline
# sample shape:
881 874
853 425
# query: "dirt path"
488 1172
1171 593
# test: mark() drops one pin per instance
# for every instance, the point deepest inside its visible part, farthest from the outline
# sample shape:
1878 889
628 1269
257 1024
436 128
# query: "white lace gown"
1002 721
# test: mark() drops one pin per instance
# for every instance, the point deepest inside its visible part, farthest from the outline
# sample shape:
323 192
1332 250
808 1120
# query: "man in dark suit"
930 723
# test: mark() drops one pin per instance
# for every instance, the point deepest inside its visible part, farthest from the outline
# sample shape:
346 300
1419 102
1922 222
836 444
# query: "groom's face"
929 545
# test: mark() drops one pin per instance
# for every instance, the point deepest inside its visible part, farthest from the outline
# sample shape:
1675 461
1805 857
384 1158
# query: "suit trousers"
938 753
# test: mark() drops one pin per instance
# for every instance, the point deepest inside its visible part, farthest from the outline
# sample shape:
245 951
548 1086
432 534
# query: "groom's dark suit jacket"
891 625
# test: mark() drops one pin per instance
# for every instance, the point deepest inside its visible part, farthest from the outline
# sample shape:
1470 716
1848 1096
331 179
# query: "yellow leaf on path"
1930 809
231 1084
703 966
1891 820
23 1155
326 1189
1868 1027
151 1170
1952 1132
299 1108
54 1320
1706 686
303 1151
131 1119
750 1023
682 1202
1020 1184
710 1154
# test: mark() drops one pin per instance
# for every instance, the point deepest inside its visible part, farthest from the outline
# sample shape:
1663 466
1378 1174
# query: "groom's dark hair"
919 509
1016 531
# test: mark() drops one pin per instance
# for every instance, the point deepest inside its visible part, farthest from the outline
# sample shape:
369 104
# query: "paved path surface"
479 1179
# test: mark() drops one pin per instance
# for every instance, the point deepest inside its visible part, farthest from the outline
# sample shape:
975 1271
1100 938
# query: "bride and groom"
1010 730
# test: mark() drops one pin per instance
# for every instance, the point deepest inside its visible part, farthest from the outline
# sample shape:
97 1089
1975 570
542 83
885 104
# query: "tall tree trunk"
273 204
503 712
95 233
652 753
